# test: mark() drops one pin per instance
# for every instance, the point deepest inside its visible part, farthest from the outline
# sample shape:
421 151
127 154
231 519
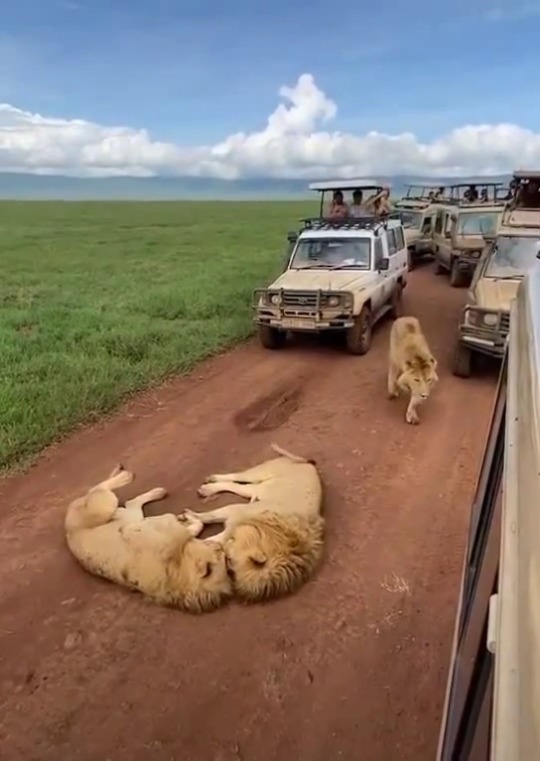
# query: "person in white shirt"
356 209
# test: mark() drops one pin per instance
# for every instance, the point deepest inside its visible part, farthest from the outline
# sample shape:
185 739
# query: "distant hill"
15 186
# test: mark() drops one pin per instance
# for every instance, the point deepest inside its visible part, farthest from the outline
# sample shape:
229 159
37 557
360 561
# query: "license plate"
292 324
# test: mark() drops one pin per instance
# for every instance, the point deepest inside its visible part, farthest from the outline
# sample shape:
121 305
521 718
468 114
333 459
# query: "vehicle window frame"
315 239
391 239
378 252
399 236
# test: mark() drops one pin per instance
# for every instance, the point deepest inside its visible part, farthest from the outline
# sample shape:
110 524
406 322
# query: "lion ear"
257 557
204 568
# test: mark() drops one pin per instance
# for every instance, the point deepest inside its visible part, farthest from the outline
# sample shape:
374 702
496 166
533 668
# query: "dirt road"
353 666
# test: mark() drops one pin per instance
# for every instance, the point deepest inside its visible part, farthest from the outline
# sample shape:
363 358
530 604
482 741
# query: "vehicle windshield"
411 219
332 253
512 257
482 223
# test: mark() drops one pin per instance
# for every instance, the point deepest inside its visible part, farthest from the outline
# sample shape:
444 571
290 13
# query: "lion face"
272 555
419 377
201 580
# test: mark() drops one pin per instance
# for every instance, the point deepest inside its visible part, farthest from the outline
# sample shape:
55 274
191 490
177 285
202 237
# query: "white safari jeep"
342 274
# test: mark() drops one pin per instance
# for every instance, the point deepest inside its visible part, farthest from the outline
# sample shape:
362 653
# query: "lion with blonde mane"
274 542
158 556
412 367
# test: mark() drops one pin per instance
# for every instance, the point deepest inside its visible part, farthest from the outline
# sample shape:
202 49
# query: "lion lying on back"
412 367
158 556
274 542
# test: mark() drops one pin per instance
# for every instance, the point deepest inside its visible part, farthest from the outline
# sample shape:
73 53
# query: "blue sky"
194 72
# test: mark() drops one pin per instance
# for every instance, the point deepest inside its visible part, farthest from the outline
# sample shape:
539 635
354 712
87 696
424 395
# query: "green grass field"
98 300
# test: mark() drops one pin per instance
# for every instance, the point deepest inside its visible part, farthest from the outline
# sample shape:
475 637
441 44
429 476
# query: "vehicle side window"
427 225
400 238
379 254
390 235
448 224
439 222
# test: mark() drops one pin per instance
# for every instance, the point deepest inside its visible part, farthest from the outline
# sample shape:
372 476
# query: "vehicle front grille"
303 299
505 322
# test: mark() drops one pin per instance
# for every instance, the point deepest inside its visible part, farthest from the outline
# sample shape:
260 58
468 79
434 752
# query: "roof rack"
350 184
526 174
411 203
425 190
480 183
349 223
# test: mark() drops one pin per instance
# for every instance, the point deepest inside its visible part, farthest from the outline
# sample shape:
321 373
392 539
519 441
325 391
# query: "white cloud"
293 143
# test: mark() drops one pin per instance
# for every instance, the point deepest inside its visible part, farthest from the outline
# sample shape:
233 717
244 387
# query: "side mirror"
383 265
292 237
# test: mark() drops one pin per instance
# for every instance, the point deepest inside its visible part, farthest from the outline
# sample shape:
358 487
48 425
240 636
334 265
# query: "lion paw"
206 490
190 520
158 493
412 418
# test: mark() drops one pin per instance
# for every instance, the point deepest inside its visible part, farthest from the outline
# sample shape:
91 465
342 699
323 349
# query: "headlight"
333 301
477 318
472 317
274 299
491 319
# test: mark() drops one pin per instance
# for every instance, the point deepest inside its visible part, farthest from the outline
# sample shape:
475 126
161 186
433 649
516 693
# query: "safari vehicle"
347 187
342 275
418 209
485 320
492 707
460 227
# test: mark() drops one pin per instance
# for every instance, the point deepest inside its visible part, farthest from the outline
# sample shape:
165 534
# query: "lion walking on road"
412 367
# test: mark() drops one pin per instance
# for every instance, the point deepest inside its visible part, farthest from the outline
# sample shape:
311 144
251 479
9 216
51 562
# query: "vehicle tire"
271 338
359 336
397 302
463 361
439 269
457 278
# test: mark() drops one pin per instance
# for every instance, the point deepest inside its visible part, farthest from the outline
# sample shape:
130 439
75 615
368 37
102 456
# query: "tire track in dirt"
357 659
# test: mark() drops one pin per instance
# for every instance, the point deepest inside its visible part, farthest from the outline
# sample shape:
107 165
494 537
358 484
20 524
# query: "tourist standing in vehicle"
471 194
338 207
380 203
529 195
357 209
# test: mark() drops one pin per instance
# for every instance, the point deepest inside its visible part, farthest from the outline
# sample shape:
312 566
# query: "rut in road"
355 662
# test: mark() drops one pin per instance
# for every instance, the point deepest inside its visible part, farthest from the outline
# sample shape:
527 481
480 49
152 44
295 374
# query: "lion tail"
294 458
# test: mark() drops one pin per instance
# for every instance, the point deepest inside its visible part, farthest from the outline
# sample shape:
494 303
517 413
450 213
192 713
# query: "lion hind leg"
255 475
209 489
